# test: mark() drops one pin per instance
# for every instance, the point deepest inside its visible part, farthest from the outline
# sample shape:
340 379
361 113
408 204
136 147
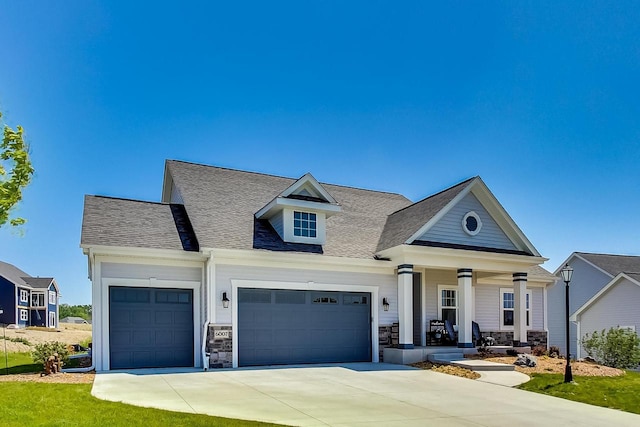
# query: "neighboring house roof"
222 204
612 264
38 282
73 319
540 273
632 277
111 221
13 274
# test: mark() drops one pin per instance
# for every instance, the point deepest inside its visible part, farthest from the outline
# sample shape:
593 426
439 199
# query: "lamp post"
567 272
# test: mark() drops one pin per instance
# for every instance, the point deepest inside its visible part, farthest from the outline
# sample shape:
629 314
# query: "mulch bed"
447 369
63 377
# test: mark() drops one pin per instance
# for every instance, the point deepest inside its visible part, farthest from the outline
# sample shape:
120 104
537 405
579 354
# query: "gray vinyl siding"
449 228
146 271
277 222
487 308
585 283
387 285
617 307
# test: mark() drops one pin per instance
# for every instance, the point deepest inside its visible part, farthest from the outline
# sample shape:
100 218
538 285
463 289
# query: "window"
52 319
304 224
471 223
37 300
24 315
24 296
52 297
507 308
448 304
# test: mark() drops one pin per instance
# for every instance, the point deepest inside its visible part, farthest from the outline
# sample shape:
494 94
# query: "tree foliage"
42 351
15 172
617 347
66 310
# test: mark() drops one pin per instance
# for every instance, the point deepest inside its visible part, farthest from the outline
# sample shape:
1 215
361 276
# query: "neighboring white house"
74 319
604 293
235 268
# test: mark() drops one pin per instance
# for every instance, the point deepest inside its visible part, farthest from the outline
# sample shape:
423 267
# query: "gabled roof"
13 274
403 224
109 221
610 264
632 277
222 203
38 282
408 224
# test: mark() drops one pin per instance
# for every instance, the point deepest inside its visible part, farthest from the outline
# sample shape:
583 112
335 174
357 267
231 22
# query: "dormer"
300 212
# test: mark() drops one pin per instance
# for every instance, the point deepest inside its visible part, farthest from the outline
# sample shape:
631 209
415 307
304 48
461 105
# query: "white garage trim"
149 283
303 286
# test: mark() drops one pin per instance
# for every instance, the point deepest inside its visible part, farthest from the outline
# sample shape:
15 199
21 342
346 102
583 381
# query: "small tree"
43 351
15 172
617 347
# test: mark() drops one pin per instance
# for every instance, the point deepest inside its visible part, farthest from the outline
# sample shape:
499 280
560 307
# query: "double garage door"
150 327
291 326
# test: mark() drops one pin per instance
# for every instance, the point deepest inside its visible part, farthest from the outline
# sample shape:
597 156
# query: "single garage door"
288 327
150 327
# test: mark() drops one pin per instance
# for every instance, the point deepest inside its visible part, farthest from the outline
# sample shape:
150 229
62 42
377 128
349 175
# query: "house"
235 268
604 293
73 319
26 300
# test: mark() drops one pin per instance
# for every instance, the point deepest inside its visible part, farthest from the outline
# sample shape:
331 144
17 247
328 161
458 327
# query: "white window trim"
287 225
52 298
24 315
24 296
52 319
38 295
530 309
464 223
440 306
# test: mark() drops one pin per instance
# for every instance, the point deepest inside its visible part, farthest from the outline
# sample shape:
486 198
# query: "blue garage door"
286 327
150 327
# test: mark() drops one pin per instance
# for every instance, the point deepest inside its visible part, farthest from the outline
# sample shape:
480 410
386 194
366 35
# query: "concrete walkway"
348 395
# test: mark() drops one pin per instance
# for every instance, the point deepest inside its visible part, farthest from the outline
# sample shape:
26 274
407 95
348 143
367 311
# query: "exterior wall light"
385 304
225 300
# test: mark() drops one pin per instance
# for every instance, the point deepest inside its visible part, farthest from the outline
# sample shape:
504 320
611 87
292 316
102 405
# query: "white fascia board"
446 258
501 216
167 183
437 217
172 254
308 178
280 203
604 290
299 261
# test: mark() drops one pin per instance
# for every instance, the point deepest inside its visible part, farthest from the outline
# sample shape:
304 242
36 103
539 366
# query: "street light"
567 272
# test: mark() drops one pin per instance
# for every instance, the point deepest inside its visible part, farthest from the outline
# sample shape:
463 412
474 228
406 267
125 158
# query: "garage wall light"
385 304
225 300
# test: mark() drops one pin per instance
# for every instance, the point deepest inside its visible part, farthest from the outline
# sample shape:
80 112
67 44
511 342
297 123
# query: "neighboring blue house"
27 301
604 293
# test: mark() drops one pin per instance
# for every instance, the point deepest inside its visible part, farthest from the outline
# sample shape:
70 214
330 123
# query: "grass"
621 392
19 363
40 404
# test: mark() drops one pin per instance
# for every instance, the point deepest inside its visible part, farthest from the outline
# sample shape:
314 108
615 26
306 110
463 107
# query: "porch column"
405 305
519 309
465 308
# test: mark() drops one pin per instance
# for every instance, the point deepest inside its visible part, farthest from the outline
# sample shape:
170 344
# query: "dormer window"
304 224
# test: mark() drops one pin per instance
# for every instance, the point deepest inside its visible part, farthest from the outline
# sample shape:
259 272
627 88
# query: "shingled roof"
222 204
109 221
613 264
38 282
13 274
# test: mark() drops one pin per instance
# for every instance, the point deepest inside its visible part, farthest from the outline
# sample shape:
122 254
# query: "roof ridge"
286 177
435 194
130 200
601 254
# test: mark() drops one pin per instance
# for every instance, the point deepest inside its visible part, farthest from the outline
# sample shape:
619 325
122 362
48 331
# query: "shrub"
554 351
41 352
617 347
539 350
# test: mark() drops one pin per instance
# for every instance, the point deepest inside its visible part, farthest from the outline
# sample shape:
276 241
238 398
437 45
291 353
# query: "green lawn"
611 392
19 363
40 404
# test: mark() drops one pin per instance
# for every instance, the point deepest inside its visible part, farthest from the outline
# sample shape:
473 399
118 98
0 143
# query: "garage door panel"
150 327
288 327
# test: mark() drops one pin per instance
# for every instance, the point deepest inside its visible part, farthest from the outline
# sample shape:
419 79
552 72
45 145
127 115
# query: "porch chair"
452 335
478 339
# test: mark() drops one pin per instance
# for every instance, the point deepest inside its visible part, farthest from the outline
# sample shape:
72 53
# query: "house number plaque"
221 334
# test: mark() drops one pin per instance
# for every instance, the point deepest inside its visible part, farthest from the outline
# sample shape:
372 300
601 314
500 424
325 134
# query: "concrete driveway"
348 395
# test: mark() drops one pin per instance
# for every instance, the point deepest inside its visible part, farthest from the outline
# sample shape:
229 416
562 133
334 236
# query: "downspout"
205 326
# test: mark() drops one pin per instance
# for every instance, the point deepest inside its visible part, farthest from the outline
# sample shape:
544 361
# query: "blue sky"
540 99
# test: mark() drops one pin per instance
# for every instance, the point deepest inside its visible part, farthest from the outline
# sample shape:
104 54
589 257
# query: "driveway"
358 394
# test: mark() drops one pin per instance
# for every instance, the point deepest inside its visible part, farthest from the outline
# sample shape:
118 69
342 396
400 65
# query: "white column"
465 308
405 305
519 309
